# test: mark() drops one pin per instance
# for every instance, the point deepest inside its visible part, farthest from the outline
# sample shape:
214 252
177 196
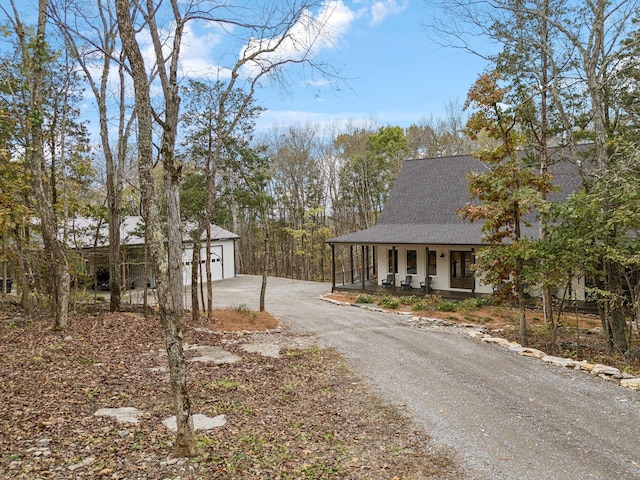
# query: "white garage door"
216 263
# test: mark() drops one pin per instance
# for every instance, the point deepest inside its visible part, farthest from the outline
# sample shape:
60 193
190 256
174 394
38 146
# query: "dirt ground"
303 415
578 335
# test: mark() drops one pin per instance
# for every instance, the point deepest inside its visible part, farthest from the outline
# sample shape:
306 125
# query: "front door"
461 274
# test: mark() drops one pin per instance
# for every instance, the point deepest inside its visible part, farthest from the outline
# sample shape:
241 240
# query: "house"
91 239
420 234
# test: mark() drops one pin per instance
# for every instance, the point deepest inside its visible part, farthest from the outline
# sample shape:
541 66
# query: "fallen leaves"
301 415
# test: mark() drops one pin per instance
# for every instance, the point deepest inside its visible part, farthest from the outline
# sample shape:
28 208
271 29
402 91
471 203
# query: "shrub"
364 299
242 308
448 306
389 302
409 299
431 303
470 304
419 306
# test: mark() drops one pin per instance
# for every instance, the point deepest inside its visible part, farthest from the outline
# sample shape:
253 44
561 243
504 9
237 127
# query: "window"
432 263
393 261
412 262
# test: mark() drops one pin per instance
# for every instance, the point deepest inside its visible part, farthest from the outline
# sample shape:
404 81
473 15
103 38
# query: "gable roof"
83 232
421 207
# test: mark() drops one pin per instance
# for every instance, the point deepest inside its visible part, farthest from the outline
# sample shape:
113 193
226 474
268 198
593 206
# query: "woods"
183 150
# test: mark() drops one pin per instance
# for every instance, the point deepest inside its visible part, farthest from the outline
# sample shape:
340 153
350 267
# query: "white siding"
222 261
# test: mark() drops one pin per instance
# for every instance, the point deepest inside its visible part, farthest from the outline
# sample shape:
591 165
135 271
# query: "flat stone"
264 349
498 341
121 415
532 352
200 422
515 347
586 366
476 334
208 354
604 370
633 383
560 361
43 442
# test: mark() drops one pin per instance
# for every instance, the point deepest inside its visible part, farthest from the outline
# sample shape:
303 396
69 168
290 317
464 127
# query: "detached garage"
91 239
223 261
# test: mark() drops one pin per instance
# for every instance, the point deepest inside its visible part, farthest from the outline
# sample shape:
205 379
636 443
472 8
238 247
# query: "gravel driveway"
505 416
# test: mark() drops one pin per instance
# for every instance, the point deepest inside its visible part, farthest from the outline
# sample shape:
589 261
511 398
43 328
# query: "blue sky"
397 74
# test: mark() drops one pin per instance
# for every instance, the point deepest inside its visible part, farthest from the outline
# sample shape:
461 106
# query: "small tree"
508 190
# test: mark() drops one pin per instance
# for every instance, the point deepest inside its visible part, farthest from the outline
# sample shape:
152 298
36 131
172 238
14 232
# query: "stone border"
480 333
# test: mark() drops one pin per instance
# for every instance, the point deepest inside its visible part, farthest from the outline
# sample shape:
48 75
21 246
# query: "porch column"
333 268
351 262
363 274
366 262
473 262
426 277
374 257
394 265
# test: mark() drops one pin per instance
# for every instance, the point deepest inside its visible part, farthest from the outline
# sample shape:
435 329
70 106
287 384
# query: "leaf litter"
302 414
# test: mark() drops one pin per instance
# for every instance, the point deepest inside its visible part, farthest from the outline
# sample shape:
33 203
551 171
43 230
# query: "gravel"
504 416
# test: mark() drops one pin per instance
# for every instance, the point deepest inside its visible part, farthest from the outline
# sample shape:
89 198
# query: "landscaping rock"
200 422
121 415
605 370
85 463
632 383
498 341
532 352
476 334
264 349
208 354
560 361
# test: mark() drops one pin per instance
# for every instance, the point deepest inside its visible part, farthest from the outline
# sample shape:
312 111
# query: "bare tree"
34 57
264 54
92 39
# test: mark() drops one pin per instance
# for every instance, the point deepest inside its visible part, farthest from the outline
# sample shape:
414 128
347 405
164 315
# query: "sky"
396 74
393 72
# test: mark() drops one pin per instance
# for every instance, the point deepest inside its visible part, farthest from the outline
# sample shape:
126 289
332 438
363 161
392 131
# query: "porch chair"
388 283
426 285
406 284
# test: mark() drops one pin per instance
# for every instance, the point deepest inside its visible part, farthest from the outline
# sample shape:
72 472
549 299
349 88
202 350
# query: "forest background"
183 151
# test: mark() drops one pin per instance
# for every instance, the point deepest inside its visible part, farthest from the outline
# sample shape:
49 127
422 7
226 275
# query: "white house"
420 234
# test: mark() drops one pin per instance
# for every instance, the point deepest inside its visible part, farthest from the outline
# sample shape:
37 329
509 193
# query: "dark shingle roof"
421 207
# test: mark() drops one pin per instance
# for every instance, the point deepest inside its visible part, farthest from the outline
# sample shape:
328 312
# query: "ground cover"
302 415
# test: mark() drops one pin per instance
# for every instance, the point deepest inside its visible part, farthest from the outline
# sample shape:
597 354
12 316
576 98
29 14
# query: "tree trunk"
115 219
208 272
618 330
20 237
55 251
522 316
195 268
167 270
265 269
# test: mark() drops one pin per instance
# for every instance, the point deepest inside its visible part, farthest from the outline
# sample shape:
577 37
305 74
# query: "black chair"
388 283
406 285
426 285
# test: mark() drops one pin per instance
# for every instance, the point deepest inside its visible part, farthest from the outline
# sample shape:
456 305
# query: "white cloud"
382 9
313 33
195 52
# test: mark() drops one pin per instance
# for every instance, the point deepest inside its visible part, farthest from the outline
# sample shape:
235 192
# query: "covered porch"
405 269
